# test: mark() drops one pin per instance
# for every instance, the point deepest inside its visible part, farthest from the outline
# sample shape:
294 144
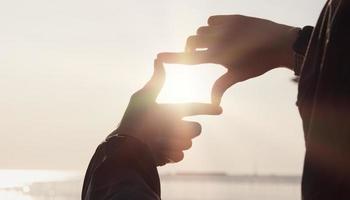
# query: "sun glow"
22 178
189 83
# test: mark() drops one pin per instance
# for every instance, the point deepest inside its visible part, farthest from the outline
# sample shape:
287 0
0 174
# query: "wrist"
127 132
288 57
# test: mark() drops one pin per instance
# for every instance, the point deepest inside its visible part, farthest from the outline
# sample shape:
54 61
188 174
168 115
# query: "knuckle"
211 19
191 39
180 156
176 157
188 145
237 19
201 29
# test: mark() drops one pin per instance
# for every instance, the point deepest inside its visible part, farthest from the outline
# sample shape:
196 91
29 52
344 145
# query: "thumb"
153 86
220 86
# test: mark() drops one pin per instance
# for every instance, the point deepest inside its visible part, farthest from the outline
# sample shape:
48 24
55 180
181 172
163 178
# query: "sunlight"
21 178
13 195
189 83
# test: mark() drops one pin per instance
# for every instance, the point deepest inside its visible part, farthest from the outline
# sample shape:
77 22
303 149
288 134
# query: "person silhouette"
149 135
320 56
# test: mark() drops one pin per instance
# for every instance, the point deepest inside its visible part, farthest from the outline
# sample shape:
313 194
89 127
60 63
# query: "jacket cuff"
300 47
130 153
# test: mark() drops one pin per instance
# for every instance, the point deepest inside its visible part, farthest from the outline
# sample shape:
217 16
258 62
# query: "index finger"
192 109
223 19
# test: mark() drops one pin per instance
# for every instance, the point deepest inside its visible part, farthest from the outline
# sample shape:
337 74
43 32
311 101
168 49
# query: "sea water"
36 185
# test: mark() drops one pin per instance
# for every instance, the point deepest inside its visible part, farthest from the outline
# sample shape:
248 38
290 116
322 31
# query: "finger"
174 156
213 31
187 130
189 58
223 19
178 145
161 158
154 86
220 86
191 109
195 42
204 30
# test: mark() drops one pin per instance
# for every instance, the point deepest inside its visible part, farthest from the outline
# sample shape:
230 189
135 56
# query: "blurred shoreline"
68 186
56 177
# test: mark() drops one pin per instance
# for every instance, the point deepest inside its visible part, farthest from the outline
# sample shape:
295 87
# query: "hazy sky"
68 68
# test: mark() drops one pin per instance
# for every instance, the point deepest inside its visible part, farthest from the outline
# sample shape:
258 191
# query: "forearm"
121 168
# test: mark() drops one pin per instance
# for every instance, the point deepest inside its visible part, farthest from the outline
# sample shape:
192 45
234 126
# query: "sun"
185 83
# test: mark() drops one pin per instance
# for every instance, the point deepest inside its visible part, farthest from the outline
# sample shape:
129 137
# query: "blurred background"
68 68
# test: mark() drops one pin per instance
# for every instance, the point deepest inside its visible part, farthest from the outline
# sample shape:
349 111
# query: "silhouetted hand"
248 47
160 126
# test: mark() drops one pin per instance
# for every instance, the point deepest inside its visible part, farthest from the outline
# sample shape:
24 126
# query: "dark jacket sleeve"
324 104
122 168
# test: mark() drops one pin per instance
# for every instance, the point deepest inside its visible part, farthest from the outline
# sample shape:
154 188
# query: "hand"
160 126
248 47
